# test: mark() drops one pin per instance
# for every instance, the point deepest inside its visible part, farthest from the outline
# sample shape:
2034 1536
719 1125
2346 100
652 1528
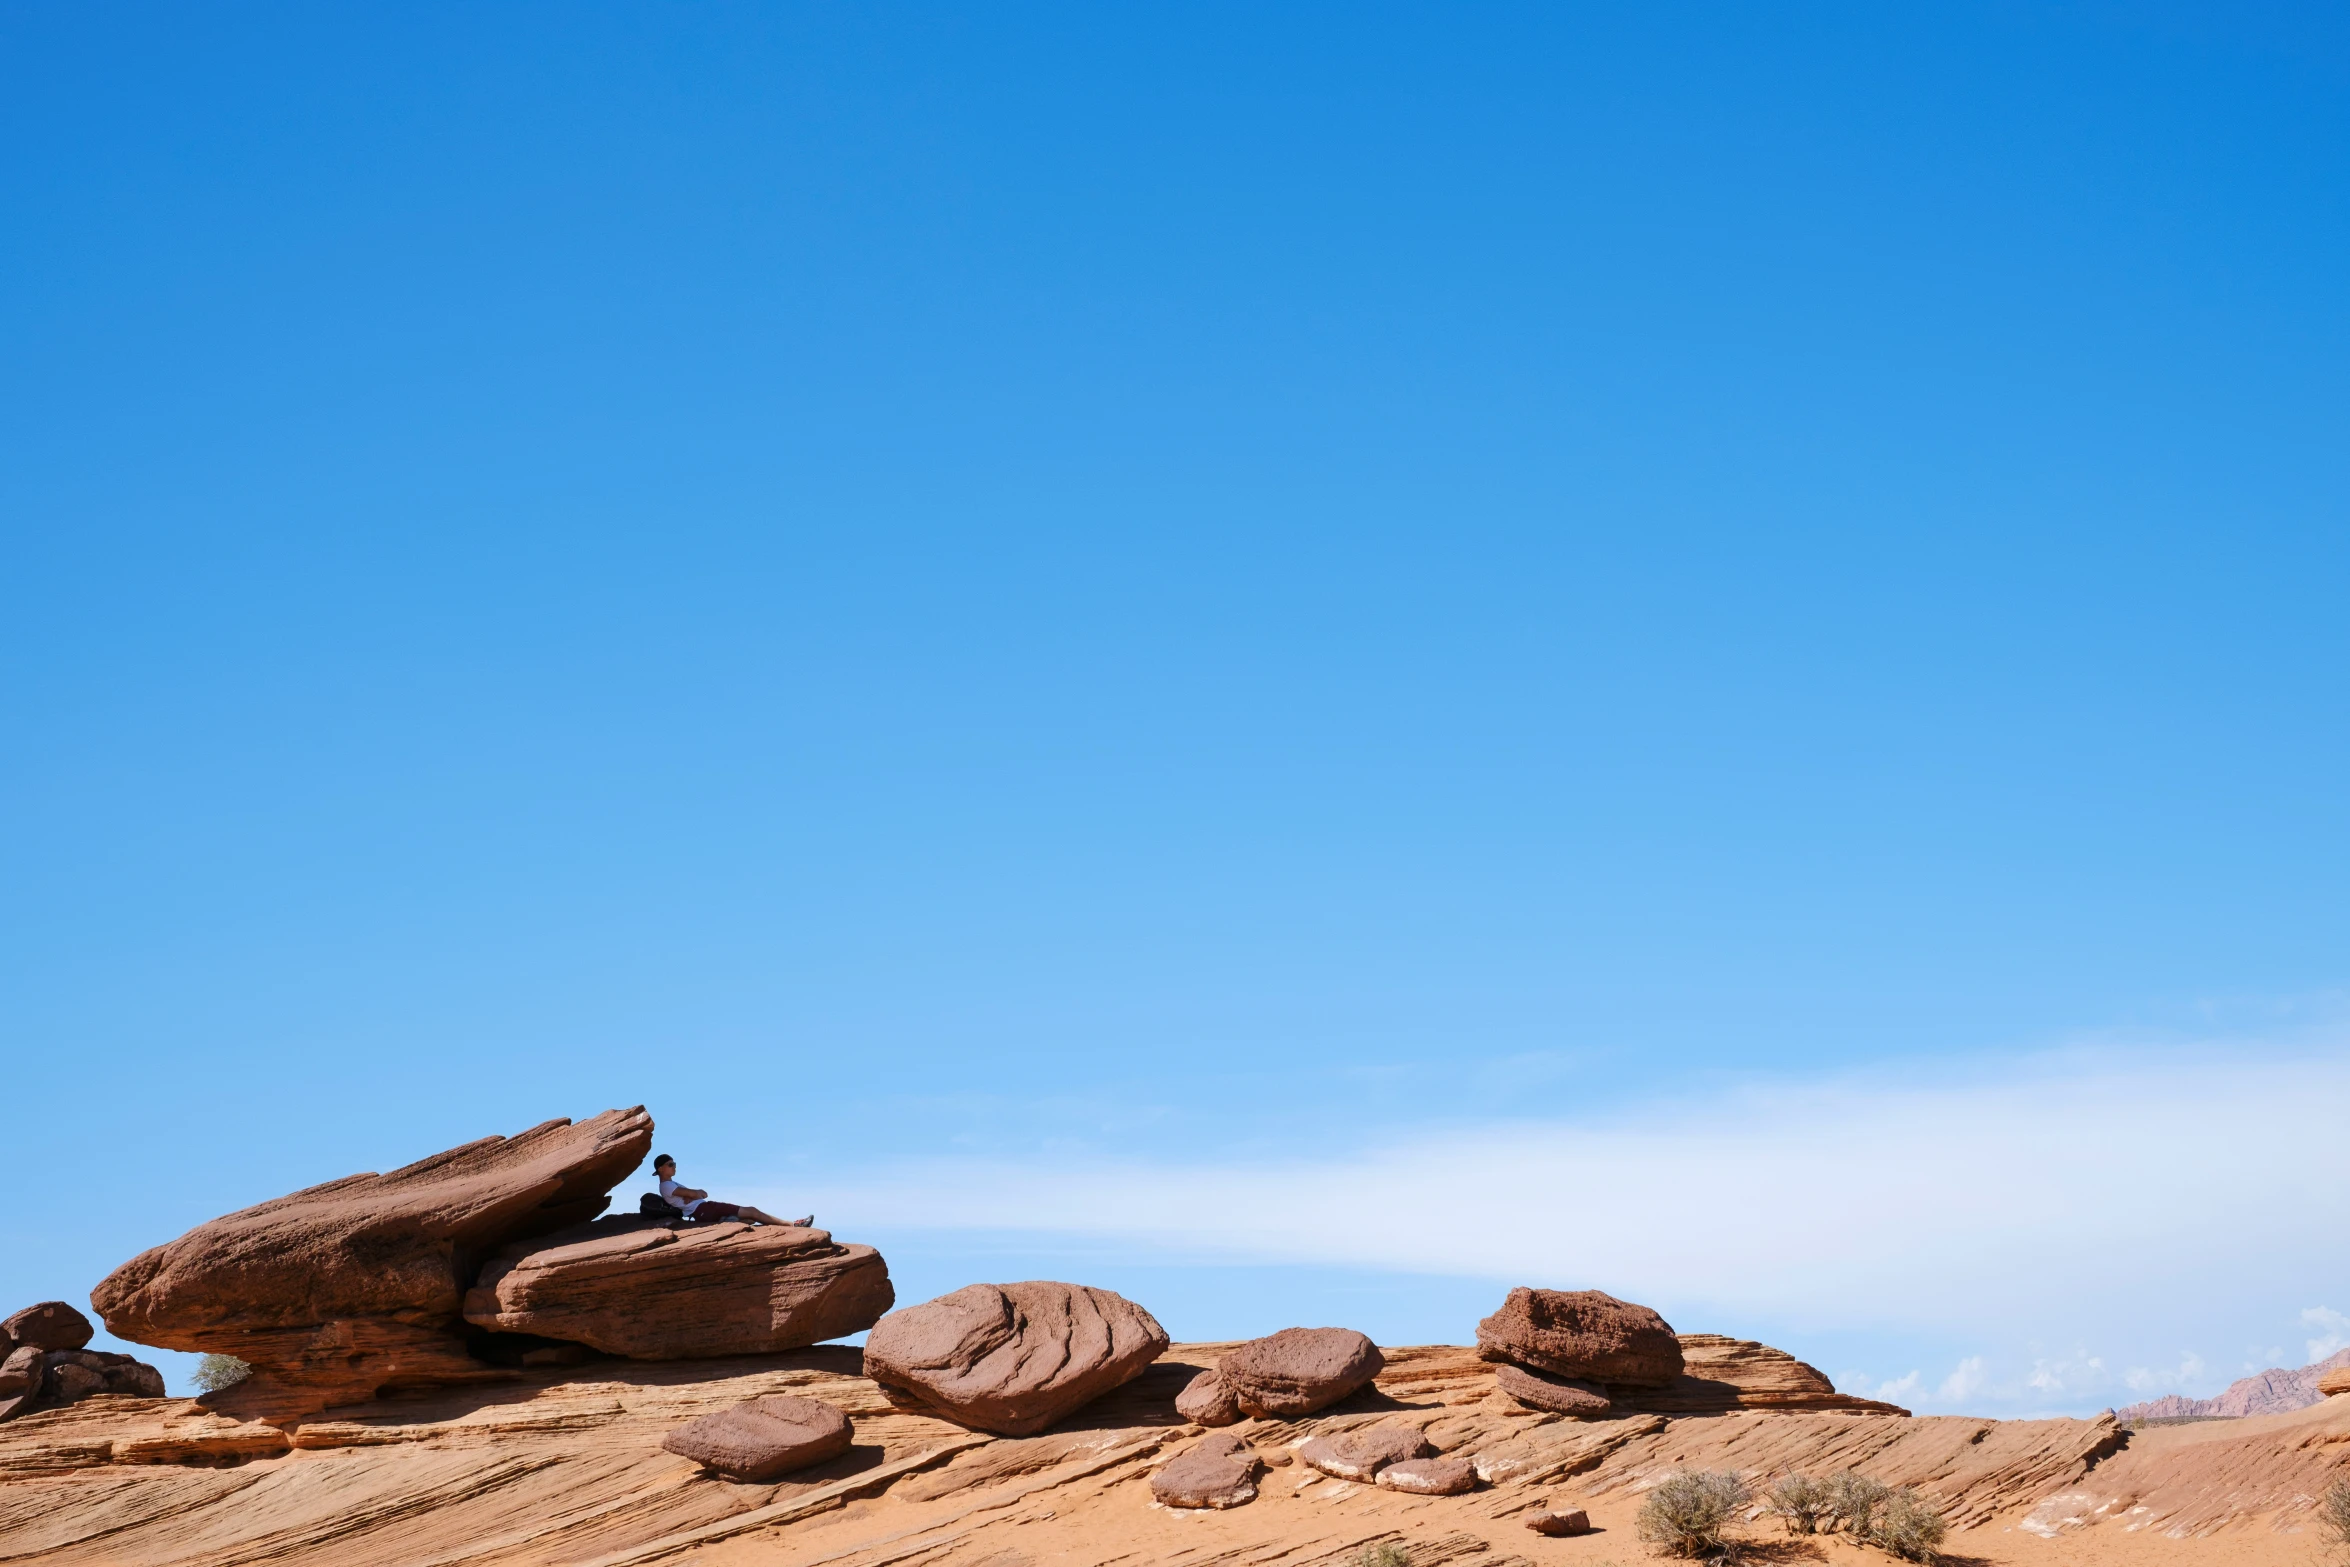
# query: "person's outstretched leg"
762 1216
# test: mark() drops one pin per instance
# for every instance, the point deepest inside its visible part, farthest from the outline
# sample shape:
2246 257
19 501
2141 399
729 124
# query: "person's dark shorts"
711 1211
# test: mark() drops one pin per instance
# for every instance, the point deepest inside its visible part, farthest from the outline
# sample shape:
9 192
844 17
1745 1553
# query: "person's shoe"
807 1223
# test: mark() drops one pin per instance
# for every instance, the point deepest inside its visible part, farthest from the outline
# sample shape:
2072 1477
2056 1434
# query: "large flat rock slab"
340 1290
651 1291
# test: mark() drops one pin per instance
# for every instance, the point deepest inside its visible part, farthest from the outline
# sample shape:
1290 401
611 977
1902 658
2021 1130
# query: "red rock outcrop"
763 1439
652 1291
24 1374
2335 1381
1013 1358
335 1292
1722 1374
1298 1370
1583 1335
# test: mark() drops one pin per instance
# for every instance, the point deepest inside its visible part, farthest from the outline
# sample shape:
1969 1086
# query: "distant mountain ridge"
2271 1392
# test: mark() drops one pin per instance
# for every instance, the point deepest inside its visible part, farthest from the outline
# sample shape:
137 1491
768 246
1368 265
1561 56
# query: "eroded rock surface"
1298 1370
2334 1381
1722 1374
763 1439
1361 1453
652 1291
335 1292
1218 1470
1430 1476
1013 1358
1583 1335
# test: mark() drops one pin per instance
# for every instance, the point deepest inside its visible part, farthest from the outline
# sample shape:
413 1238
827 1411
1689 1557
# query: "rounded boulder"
1430 1476
1013 1358
1362 1453
763 1438
51 1325
1216 1471
1299 1370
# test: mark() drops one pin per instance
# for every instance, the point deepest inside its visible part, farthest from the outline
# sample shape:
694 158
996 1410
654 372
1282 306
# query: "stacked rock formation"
1012 1358
44 1362
338 1292
661 1291
1588 1354
1296 1371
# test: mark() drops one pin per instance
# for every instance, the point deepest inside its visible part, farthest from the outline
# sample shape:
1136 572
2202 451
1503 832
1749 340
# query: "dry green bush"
1692 1513
2333 1520
1855 1498
1909 1526
215 1372
1802 1502
1387 1553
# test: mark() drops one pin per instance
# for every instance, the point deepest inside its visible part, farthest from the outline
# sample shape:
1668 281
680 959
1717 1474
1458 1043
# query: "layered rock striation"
650 1290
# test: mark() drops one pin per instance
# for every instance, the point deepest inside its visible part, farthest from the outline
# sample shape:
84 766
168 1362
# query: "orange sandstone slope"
565 1466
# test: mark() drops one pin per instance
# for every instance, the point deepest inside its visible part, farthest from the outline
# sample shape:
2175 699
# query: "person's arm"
689 1194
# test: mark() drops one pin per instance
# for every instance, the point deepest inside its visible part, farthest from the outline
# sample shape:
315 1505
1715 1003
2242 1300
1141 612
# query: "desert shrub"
1692 1513
1855 1498
215 1372
2333 1520
1387 1553
1909 1526
1802 1502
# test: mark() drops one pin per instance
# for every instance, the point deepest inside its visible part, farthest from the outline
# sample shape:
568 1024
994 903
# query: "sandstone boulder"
1205 1400
1559 1521
640 1288
24 1376
50 1325
1361 1454
1299 1370
339 1290
1430 1476
78 1373
763 1438
1556 1395
1722 1374
1012 1358
1216 1471
2335 1381
1583 1335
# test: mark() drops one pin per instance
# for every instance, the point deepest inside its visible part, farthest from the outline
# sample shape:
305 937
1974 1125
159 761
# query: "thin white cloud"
2336 1333
1966 1379
2069 1188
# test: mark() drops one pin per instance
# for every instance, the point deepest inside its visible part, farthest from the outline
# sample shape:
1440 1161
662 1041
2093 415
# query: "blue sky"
1444 643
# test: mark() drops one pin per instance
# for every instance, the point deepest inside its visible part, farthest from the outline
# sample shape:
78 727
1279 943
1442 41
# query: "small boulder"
1299 1370
1559 1521
50 1325
1557 1395
1013 1358
1217 1471
1361 1454
1430 1476
79 1373
1206 1400
1584 1335
763 1438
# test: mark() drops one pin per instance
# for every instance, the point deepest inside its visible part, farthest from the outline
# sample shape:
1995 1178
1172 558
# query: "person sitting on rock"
702 1208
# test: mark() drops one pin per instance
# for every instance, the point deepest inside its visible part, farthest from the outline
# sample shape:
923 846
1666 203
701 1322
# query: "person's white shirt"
669 1195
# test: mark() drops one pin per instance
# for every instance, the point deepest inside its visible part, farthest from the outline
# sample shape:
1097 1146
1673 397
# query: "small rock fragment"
1430 1476
1559 1521
1361 1454
763 1438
